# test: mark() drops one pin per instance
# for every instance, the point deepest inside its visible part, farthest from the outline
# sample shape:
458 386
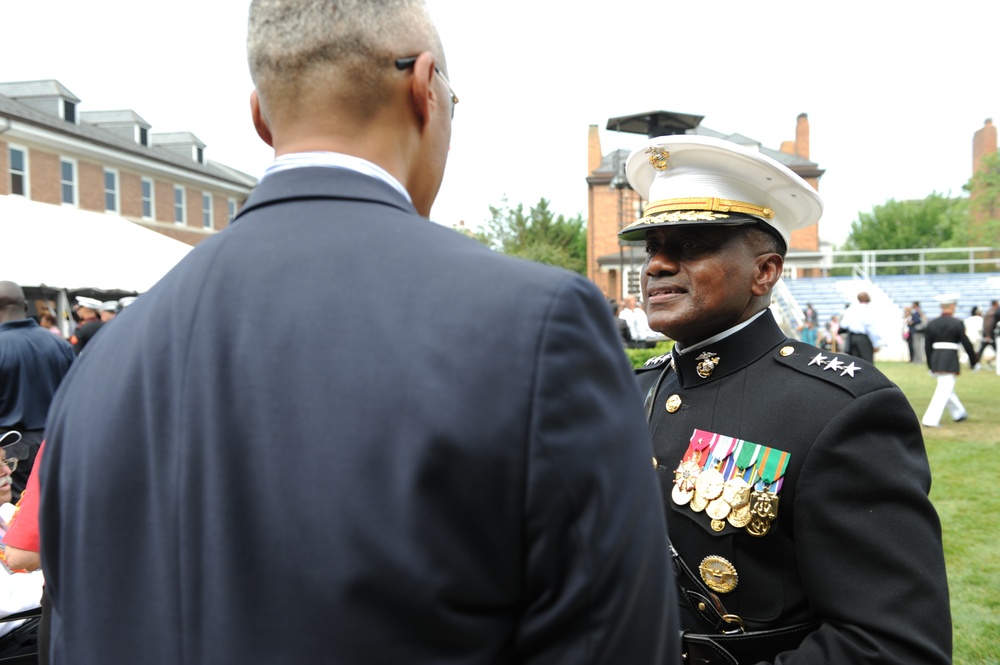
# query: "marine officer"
795 479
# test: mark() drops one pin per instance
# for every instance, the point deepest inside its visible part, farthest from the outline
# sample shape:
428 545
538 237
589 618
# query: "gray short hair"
295 44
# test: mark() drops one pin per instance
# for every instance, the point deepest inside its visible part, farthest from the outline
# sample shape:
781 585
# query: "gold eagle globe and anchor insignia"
707 362
718 574
658 157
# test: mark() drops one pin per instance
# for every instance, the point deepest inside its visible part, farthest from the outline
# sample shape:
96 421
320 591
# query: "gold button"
673 403
655 464
787 351
701 607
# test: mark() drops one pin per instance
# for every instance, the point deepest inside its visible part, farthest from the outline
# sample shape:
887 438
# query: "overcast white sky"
894 90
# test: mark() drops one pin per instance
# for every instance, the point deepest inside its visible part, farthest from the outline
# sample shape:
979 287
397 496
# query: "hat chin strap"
706 203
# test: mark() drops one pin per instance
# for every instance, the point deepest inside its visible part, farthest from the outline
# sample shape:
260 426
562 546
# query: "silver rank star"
818 360
834 364
851 369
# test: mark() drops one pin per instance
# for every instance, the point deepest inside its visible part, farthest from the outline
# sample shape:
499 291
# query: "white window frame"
207 216
152 198
24 175
183 220
231 210
74 183
115 192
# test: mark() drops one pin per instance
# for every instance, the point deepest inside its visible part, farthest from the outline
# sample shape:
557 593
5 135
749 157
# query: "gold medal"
739 517
680 497
709 484
687 473
718 574
718 509
698 503
736 492
764 505
758 526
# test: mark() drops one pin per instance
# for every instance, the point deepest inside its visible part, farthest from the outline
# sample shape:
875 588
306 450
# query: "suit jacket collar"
319 182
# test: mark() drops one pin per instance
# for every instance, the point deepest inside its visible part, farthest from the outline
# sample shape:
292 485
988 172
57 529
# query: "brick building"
984 143
614 265
52 152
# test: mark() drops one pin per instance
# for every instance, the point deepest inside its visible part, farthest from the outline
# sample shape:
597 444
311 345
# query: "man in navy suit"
458 472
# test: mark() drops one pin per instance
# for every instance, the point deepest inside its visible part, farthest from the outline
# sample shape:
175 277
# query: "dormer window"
143 136
69 111
201 156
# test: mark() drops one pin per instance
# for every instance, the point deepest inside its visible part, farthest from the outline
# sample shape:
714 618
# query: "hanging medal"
736 491
689 469
764 502
708 486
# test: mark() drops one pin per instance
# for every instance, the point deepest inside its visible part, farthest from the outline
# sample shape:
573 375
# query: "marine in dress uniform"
942 340
795 480
87 309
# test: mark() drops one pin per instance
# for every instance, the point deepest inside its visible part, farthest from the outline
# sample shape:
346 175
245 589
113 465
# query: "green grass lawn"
965 464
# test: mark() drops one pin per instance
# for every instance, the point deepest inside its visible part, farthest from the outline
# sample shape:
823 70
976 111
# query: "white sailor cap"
126 301
13 446
947 298
109 306
690 179
89 303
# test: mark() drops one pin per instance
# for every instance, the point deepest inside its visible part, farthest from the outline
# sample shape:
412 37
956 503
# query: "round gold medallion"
739 517
709 484
698 503
717 510
718 574
673 403
681 497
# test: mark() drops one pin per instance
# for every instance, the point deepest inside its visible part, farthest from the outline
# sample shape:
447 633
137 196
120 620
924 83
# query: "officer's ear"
767 272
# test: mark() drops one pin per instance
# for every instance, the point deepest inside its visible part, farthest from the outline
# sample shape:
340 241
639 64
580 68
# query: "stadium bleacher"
829 295
890 294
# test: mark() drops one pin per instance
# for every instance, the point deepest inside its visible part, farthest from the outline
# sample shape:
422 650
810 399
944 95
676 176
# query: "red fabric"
23 530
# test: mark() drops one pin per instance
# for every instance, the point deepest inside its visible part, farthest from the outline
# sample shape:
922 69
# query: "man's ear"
259 121
767 274
422 94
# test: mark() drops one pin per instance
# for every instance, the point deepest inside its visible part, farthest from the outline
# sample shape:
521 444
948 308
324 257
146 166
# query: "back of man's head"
12 303
332 55
864 297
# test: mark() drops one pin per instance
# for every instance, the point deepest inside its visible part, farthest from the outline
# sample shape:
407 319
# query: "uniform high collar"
728 355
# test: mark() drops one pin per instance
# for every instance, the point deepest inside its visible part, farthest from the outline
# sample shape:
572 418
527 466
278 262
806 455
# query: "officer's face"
699 280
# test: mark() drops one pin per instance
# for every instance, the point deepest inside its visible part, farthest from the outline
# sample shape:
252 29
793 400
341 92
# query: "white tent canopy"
69 249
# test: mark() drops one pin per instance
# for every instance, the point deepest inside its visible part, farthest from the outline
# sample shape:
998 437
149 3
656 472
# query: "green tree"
537 235
937 221
984 186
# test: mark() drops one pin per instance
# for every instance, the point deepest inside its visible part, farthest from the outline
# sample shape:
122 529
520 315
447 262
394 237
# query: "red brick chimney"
593 149
802 136
800 146
984 142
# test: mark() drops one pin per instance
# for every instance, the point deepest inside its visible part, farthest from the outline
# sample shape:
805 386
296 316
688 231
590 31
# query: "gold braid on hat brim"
707 204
